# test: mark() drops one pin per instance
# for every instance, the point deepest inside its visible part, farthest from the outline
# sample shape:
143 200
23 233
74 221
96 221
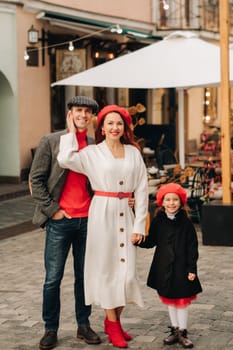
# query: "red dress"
181 302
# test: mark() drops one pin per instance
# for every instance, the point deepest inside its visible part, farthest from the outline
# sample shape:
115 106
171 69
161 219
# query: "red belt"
119 195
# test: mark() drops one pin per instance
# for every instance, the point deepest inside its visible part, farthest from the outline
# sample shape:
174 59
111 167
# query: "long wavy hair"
127 138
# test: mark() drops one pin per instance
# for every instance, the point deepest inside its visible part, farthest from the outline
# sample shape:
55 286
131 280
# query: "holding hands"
191 276
137 238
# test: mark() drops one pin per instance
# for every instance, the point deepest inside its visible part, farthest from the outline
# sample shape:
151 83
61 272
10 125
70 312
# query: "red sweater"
75 199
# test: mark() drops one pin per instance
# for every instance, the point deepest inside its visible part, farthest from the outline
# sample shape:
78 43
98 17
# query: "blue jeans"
60 236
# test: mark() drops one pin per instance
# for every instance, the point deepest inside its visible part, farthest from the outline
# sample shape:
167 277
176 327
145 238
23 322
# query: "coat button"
122 245
121 182
121 229
121 214
122 260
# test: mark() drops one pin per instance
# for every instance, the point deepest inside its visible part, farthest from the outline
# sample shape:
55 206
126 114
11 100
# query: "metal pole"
225 100
181 128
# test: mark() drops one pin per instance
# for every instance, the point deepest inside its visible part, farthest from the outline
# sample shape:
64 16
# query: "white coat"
110 276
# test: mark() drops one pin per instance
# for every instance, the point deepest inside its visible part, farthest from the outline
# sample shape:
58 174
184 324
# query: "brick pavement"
21 271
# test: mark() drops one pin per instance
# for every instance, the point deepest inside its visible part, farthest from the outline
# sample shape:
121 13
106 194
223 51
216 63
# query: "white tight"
178 316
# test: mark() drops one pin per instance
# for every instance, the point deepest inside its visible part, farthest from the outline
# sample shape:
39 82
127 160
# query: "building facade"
45 41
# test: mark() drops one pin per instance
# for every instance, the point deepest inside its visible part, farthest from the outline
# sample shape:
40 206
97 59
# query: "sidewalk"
16 210
9 191
22 273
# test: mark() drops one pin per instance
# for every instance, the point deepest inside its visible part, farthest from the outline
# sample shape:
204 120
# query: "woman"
116 171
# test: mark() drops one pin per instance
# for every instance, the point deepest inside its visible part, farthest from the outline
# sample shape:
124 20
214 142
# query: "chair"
197 191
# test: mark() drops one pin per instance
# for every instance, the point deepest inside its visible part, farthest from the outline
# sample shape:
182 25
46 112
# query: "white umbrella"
181 60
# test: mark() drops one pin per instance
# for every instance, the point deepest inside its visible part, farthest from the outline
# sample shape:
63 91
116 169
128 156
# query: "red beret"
171 188
114 108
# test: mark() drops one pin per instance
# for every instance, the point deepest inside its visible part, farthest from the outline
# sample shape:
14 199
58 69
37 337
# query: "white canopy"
181 60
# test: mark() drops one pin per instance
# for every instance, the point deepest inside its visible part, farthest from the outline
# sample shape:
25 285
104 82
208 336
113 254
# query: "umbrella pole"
181 127
225 100
217 219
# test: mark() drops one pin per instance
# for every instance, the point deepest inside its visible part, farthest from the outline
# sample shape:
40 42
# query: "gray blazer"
47 177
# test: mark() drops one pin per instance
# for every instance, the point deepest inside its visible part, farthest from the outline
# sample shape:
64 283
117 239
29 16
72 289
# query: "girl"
173 272
115 169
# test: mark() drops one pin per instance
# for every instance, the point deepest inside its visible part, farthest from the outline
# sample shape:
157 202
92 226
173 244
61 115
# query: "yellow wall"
33 92
121 8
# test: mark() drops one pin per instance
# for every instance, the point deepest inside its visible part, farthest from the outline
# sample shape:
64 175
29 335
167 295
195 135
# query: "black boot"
173 336
183 339
48 341
88 335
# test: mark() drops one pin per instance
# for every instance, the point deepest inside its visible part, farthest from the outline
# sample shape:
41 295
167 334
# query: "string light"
97 54
116 29
27 52
26 55
71 46
165 5
110 55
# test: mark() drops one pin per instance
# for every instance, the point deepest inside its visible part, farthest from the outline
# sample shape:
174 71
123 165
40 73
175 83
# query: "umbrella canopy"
181 60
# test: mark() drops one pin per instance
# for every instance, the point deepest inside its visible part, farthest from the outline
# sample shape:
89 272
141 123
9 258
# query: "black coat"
175 256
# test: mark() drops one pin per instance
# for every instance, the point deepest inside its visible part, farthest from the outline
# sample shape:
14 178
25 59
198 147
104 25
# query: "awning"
90 24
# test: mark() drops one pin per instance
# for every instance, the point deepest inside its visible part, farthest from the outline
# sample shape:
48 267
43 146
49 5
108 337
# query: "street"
21 270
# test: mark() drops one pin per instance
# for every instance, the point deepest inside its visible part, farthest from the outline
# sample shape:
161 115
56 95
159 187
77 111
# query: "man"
62 202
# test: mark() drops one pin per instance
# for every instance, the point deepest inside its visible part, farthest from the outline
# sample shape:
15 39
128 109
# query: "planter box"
217 224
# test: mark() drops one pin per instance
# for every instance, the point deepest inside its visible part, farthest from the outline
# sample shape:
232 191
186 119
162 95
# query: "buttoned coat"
47 177
176 255
110 276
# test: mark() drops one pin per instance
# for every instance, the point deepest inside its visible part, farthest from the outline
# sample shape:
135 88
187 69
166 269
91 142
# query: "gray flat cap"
84 101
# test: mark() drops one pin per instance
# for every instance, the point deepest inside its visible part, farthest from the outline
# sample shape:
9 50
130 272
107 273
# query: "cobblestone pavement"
21 271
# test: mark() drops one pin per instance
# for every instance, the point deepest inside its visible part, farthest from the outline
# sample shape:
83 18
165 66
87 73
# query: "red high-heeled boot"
126 335
115 335
106 325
